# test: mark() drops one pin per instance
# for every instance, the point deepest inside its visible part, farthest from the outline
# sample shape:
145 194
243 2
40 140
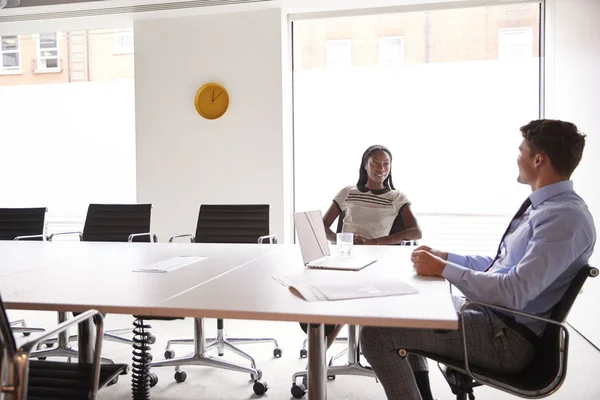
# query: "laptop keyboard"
334 261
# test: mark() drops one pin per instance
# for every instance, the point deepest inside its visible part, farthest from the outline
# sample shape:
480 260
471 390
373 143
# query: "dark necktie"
518 215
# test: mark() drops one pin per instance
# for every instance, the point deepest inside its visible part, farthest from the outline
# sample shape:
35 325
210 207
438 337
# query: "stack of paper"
170 264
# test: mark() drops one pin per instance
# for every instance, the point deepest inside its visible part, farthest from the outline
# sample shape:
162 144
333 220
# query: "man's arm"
557 241
476 263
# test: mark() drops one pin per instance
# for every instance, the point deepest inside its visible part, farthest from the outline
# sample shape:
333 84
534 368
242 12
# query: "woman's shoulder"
398 196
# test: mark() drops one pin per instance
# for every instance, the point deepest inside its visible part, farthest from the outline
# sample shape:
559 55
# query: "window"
339 53
124 41
11 53
515 43
391 51
72 133
48 56
451 119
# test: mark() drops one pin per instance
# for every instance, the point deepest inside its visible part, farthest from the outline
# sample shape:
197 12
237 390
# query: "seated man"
548 241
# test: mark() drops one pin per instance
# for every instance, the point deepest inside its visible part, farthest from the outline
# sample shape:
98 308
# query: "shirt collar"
542 194
365 189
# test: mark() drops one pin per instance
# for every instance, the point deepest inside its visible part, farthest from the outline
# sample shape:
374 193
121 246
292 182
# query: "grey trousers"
490 344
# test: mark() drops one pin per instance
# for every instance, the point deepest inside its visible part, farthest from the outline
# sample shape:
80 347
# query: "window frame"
40 66
11 70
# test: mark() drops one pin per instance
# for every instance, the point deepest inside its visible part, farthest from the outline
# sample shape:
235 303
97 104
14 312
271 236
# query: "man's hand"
427 264
441 254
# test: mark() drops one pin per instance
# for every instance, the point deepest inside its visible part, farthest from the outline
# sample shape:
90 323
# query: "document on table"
311 289
170 264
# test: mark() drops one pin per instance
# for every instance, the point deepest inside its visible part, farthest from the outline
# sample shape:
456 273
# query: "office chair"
105 223
22 224
223 224
353 365
545 373
23 378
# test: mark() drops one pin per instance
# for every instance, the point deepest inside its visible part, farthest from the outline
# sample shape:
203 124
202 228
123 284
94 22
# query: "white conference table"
234 281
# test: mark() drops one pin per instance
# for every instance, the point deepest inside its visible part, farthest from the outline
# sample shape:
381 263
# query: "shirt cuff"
453 272
457 259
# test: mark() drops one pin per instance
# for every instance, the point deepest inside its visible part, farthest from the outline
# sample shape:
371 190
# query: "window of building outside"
515 43
339 53
124 40
48 52
74 142
391 51
450 116
11 54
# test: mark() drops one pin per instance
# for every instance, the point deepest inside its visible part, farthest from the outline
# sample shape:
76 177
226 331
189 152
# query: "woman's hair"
362 173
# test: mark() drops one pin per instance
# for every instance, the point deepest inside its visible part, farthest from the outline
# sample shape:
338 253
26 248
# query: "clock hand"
218 95
213 97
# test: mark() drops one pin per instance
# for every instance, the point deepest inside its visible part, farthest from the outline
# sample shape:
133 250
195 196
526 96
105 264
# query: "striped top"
369 213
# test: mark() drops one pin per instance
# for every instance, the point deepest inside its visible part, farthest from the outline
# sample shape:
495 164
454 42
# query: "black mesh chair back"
115 222
232 223
21 222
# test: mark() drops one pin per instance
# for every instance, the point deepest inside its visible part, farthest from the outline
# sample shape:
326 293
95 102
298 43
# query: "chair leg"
64 349
199 356
20 326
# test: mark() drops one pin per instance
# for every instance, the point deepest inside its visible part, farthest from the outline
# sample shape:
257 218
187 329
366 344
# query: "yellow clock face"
211 101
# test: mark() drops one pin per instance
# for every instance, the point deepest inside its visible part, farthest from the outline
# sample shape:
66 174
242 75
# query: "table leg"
85 341
317 368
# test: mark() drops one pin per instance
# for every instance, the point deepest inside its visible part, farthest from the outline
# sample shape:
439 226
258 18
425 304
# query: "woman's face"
378 166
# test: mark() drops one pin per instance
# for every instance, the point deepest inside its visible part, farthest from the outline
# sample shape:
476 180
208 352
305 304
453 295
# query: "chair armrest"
27 347
192 237
272 239
66 233
153 236
44 237
468 304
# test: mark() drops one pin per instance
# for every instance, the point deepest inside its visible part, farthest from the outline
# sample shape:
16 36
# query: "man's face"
527 169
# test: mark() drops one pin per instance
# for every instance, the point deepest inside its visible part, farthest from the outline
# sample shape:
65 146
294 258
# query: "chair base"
352 367
200 358
220 343
63 349
20 326
304 350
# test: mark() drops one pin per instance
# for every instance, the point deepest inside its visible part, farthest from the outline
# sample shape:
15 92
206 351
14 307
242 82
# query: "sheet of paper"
356 287
170 264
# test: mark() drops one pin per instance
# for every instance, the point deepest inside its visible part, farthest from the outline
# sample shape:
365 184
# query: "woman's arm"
332 213
411 231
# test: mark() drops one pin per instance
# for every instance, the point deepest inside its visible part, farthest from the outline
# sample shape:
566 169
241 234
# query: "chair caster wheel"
41 358
331 377
26 333
149 357
48 345
153 380
113 382
180 376
298 391
169 354
277 352
303 353
151 339
260 387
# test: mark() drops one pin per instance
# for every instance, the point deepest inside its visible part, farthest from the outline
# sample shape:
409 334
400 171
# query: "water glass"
345 241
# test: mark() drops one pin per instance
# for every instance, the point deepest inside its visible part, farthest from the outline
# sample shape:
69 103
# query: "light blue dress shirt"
541 254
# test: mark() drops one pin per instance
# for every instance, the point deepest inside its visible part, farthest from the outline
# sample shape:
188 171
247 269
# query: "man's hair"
561 141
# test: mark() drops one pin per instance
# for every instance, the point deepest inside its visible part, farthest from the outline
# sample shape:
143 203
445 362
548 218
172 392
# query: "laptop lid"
311 235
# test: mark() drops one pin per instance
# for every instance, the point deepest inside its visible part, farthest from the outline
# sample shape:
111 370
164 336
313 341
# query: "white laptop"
315 248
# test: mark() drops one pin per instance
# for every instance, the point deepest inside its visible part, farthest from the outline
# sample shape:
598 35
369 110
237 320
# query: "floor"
206 383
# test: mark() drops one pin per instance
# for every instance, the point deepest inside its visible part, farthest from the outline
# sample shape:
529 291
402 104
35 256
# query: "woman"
370 208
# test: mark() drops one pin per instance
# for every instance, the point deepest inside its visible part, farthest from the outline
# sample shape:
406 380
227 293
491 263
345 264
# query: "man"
548 241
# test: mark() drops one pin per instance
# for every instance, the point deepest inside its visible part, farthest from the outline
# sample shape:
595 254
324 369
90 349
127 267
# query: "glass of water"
345 241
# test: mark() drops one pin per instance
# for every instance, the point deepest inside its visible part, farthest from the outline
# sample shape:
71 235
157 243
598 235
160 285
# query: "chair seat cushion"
63 380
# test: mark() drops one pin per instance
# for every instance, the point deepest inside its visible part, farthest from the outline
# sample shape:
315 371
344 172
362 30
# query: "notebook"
315 248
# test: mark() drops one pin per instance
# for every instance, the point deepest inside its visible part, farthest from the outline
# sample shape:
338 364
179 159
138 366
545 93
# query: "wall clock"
211 101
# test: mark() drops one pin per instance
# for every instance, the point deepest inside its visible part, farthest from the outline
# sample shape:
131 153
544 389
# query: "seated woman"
369 210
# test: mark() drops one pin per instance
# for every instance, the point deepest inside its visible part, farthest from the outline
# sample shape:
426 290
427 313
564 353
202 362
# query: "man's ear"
539 159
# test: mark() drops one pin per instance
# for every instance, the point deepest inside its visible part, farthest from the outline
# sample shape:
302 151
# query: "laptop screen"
311 235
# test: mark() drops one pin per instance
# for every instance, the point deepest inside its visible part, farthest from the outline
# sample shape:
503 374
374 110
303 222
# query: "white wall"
184 160
574 95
